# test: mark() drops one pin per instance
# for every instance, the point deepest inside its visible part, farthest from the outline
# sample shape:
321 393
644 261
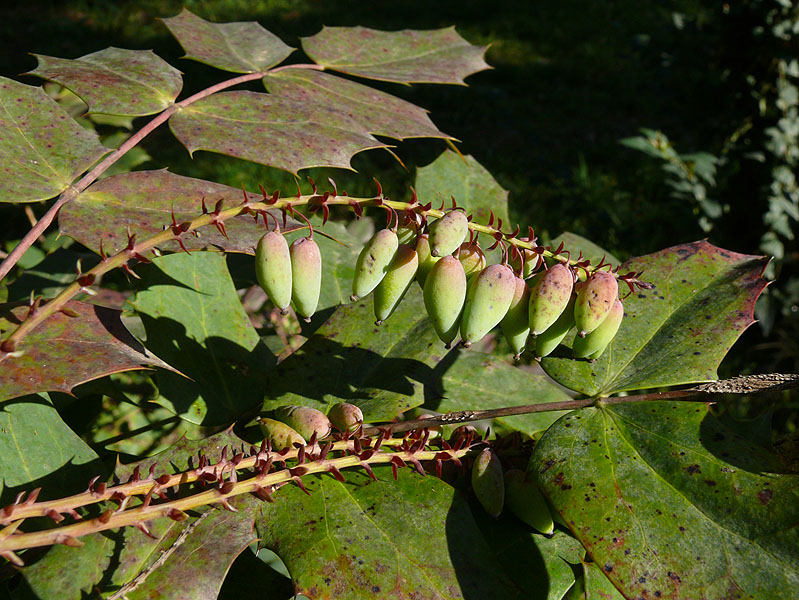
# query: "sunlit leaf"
672 504
378 112
116 81
407 56
243 47
270 130
42 149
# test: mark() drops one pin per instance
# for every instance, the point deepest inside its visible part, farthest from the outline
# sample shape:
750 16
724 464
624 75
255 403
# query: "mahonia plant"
289 401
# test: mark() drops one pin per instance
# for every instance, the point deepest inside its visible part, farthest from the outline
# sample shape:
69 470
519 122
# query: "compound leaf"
42 149
677 332
671 503
243 47
116 81
407 56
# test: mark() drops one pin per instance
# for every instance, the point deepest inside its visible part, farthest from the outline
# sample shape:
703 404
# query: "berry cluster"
463 296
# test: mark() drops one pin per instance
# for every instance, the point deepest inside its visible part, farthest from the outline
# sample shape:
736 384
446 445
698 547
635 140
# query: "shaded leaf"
243 47
116 81
65 351
670 503
378 113
270 130
42 149
407 56
414 538
37 448
472 186
679 331
476 381
385 370
247 569
194 319
143 202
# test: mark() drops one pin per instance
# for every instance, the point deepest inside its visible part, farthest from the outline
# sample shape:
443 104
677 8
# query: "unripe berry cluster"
462 295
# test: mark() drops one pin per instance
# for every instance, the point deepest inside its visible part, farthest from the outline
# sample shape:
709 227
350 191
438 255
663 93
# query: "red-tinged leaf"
435 56
116 81
42 149
243 47
66 351
679 331
144 202
266 129
671 503
378 112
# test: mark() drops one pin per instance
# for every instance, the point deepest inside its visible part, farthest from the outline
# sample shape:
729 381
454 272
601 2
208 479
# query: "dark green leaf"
65 351
379 113
670 503
116 81
38 448
270 130
250 578
243 47
194 319
385 370
435 56
144 201
677 332
465 179
413 538
42 149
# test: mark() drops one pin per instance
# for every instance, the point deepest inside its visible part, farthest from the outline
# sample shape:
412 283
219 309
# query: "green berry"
444 296
279 434
345 416
487 301
595 298
549 294
593 344
472 258
304 420
525 501
273 268
448 233
487 482
306 272
426 260
547 341
516 324
373 262
395 283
